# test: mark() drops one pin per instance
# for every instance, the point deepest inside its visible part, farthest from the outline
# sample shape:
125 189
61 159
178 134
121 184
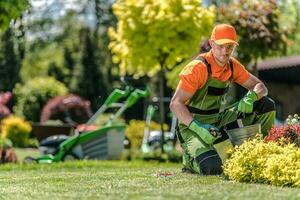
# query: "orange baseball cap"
224 34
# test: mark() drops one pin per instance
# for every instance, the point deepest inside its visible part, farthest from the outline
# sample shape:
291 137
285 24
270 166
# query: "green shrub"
293 119
33 95
104 118
258 162
32 143
53 122
156 155
135 131
171 156
17 130
5 143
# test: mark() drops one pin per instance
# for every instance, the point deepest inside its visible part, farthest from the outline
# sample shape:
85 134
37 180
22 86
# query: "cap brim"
225 41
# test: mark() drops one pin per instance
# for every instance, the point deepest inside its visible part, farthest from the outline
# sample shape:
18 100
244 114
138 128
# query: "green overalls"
205 106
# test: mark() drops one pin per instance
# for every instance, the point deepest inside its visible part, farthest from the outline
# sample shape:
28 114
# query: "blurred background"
54 52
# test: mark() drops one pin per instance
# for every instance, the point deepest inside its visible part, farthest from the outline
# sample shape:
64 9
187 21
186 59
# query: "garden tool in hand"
207 132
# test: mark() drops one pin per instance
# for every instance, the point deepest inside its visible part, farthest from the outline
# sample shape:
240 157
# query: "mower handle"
135 95
150 112
112 98
116 95
132 99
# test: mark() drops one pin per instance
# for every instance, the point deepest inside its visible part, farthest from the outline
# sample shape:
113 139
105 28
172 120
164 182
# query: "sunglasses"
227 47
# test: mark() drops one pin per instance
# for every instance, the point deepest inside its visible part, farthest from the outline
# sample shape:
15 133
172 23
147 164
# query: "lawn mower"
152 138
101 144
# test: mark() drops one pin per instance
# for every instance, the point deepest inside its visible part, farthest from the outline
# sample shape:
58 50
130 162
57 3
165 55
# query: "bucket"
238 135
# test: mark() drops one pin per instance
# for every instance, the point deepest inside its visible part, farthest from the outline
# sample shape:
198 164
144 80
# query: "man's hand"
246 103
208 133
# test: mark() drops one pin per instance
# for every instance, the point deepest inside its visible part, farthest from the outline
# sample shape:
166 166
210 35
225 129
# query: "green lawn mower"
104 143
152 138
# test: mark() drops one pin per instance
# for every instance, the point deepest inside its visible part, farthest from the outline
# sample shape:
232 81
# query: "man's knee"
264 105
209 163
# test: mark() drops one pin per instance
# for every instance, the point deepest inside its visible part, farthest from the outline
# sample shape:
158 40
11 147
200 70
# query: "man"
199 100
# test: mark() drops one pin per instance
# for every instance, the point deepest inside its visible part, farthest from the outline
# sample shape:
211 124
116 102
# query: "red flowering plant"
5 98
288 133
71 109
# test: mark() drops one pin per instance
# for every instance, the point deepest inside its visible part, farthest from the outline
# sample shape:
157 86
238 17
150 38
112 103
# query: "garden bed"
42 131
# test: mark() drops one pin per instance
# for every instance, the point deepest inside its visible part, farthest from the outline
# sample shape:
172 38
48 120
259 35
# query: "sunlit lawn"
23 152
125 180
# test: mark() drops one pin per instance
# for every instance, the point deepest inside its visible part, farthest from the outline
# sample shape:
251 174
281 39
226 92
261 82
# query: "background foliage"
17 130
258 25
76 45
262 28
135 132
55 39
11 10
154 34
33 95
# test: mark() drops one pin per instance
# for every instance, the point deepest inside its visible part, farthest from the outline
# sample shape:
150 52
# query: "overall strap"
203 59
231 68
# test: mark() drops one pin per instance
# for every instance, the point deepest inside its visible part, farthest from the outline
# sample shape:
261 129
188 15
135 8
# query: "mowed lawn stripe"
125 180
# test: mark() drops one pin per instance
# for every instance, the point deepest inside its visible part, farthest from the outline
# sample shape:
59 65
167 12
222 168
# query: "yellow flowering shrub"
258 162
135 131
16 129
284 169
152 34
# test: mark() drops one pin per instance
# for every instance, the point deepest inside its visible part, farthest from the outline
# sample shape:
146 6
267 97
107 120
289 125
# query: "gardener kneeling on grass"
199 100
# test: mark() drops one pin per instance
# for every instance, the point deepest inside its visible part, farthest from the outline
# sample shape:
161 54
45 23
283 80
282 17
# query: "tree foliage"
290 10
153 33
258 27
42 59
33 95
105 19
9 60
76 52
11 10
11 44
52 53
89 79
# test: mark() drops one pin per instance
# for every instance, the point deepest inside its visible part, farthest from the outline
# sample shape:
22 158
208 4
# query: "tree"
89 81
152 36
105 19
290 10
11 42
258 27
11 10
9 62
155 34
60 53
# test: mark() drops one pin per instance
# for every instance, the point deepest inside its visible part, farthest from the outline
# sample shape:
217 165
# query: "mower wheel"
29 160
69 157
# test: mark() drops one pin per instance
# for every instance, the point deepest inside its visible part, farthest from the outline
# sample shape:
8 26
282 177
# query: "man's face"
223 52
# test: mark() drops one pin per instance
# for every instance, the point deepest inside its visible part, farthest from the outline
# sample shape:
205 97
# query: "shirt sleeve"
193 76
240 74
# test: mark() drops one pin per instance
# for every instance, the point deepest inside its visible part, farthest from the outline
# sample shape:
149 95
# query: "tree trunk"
161 106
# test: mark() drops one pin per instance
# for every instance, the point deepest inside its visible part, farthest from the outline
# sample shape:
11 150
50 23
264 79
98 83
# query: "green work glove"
208 133
246 103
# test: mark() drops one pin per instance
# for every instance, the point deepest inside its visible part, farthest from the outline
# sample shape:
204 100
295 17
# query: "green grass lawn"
124 180
24 152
